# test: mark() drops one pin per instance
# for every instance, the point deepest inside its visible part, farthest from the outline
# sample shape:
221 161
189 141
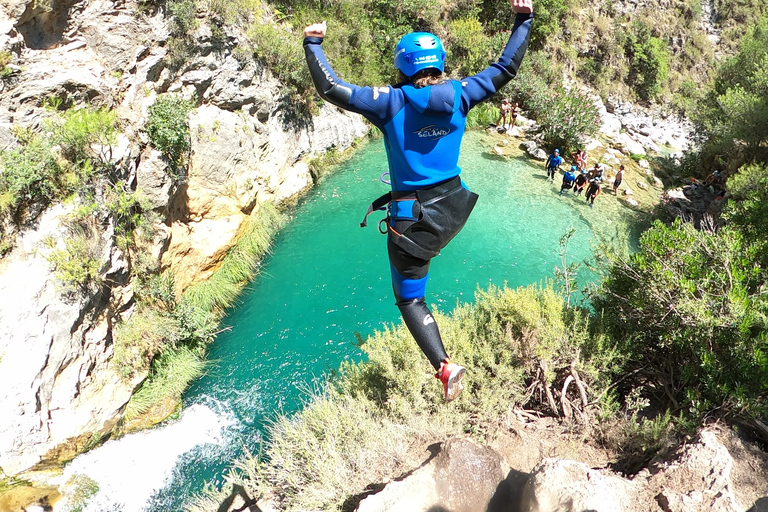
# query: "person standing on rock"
423 120
617 180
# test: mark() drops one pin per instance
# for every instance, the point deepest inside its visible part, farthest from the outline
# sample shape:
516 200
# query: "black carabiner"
383 221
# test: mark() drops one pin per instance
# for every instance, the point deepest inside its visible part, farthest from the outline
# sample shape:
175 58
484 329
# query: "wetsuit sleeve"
378 104
485 84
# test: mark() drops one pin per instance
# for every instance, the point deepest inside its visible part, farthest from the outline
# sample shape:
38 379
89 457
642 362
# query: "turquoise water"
327 283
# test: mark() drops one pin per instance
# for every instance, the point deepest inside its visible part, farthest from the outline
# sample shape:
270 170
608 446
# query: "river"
325 285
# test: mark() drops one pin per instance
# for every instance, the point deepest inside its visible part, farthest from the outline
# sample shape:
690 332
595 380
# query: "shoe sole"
454 387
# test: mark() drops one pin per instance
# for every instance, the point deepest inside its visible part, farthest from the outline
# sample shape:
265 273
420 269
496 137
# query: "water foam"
130 470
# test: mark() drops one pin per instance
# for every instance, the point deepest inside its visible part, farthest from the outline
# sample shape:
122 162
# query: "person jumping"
423 121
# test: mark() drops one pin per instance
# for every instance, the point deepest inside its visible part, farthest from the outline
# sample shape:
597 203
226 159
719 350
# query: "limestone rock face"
54 351
56 384
463 477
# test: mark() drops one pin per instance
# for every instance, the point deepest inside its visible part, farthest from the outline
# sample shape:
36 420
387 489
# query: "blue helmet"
417 51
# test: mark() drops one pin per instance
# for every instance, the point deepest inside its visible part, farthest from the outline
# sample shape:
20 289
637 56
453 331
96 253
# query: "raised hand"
521 6
318 29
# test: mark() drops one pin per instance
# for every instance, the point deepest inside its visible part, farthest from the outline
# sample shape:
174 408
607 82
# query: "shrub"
649 67
144 336
127 211
78 265
748 210
168 129
565 117
5 59
482 115
172 373
469 50
689 312
29 174
85 134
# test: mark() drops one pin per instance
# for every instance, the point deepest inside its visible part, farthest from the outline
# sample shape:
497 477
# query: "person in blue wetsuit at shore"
553 164
423 120
568 179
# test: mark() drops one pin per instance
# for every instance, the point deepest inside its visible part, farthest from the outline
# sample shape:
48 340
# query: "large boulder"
698 479
570 486
463 477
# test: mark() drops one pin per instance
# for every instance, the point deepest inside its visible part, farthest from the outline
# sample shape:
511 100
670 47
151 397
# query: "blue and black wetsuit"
553 163
423 129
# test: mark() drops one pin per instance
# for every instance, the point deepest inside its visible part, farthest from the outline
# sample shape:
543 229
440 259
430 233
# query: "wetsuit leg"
409 281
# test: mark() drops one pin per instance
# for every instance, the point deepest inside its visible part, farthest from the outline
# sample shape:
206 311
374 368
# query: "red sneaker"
451 374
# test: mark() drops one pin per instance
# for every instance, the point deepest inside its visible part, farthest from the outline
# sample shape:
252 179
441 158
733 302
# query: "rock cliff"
58 389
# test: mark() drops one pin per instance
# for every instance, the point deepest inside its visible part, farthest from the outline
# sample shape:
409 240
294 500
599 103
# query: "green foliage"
184 16
29 174
172 373
77 266
5 59
748 211
127 211
689 309
737 108
648 55
85 134
510 341
482 115
550 16
168 129
84 489
282 52
144 336
469 50
565 117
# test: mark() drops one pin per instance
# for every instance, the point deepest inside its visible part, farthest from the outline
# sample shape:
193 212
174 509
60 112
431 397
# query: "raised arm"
377 104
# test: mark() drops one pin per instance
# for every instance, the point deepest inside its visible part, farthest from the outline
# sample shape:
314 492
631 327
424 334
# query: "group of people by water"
580 179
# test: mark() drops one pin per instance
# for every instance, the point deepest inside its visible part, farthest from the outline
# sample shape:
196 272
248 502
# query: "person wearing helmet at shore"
553 164
568 179
423 121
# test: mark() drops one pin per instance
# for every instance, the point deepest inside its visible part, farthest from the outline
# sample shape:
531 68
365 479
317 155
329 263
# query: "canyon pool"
325 285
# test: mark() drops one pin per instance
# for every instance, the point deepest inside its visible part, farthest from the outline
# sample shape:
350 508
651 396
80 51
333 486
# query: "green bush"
78 265
172 373
689 311
168 129
137 341
469 50
127 210
748 209
5 59
648 56
29 174
85 134
565 117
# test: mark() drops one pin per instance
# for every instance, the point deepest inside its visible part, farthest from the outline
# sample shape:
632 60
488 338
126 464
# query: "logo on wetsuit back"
432 132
